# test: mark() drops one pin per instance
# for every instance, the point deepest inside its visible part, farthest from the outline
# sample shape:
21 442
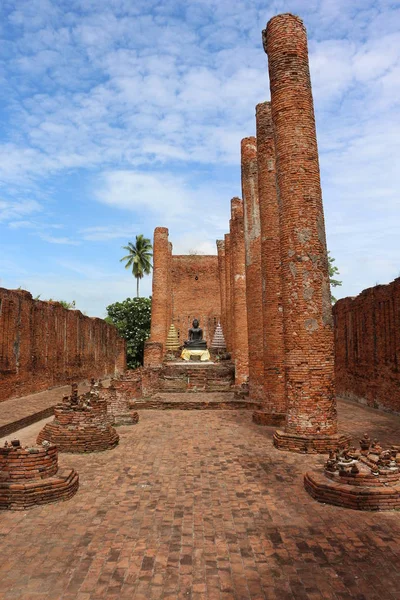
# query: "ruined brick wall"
43 344
195 294
367 346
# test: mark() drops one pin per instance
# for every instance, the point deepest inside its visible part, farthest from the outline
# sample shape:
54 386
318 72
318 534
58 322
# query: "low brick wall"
367 347
43 345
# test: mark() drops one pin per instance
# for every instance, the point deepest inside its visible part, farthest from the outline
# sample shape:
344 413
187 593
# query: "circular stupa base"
267 419
19 495
313 444
78 439
358 497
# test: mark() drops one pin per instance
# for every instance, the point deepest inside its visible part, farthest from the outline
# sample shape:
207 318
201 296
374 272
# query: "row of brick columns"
277 315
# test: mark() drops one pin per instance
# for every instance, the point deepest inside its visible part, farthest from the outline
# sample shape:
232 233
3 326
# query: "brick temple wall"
195 293
367 347
43 344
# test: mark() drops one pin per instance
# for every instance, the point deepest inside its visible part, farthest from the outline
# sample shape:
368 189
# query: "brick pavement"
199 505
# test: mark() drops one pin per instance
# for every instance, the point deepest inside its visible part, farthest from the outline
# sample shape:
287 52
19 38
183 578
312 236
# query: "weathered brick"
252 242
42 345
308 331
222 281
238 287
160 297
274 399
367 347
29 476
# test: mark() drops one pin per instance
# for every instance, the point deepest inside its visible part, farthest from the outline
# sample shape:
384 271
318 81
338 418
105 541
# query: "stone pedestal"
30 476
363 480
118 402
81 424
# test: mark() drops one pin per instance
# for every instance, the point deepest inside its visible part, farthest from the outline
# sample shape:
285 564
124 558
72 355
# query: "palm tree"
138 258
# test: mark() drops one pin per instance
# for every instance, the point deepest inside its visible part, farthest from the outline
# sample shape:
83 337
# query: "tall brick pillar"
232 288
238 280
155 346
222 282
228 303
311 422
274 401
252 243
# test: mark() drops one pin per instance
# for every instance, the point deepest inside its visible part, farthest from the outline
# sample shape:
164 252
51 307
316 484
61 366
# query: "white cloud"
51 239
15 209
107 232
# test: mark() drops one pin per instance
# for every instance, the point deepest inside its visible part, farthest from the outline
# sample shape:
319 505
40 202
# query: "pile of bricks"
81 424
30 476
118 399
366 479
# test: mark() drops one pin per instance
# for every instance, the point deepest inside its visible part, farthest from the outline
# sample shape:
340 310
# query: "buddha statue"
195 341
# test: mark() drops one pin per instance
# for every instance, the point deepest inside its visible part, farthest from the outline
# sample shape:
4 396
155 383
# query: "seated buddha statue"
195 341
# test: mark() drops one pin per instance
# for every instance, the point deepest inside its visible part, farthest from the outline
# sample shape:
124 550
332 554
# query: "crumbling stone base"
352 496
30 476
117 401
261 417
366 479
316 444
81 424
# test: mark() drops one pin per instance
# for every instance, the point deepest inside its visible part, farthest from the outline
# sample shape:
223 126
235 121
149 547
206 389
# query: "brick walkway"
199 505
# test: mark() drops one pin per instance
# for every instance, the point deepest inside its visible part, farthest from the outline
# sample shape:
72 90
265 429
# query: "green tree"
138 258
333 272
132 319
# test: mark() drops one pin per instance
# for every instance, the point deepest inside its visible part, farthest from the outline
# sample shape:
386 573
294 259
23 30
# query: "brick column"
252 243
311 423
238 277
228 303
155 346
274 401
222 282
232 287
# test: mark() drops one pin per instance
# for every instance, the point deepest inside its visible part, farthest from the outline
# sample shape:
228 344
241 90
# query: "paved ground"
199 505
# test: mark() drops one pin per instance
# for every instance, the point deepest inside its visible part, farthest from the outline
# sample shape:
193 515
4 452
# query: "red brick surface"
238 293
229 305
43 344
29 476
367 346
81 424
274 349
308 329
195 294
222 282
252 240
200 505
160 297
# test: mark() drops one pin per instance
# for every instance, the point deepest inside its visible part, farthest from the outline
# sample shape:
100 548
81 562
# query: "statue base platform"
310 444
203 355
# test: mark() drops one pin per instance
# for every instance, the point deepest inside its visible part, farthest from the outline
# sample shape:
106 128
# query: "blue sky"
117 116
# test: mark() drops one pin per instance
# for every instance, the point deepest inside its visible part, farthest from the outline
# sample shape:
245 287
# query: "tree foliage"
333 272
138 258
132 319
